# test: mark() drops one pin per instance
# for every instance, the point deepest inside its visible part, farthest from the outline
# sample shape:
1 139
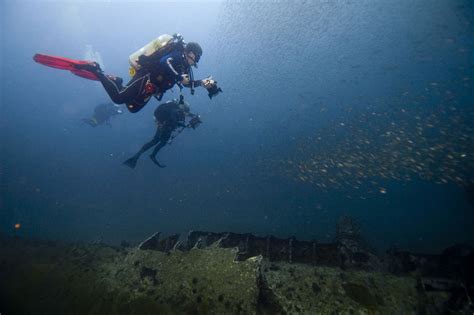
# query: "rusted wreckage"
450 272
348 251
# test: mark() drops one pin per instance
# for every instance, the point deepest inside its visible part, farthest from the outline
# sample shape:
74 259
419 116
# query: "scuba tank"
163 43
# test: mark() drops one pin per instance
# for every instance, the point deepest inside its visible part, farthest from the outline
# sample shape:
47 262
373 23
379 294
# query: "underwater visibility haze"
329 109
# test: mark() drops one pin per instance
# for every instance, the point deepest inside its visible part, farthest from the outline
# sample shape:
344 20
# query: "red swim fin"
65 64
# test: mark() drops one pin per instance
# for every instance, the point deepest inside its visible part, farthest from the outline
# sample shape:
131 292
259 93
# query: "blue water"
291 72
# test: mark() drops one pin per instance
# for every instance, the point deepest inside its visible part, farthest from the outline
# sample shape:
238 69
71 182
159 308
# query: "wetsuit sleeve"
169 64
192 115
146 61
196 83
153 64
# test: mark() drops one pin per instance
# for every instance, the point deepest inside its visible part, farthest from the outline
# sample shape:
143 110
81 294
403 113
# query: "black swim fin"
153 158
131 162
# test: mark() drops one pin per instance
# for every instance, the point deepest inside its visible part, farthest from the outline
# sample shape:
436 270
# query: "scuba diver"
168 117
155 68
102 114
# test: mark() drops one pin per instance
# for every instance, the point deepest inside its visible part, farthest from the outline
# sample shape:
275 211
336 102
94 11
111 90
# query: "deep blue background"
279 64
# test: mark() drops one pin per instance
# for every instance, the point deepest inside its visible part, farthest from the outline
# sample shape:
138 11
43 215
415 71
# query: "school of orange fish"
371 146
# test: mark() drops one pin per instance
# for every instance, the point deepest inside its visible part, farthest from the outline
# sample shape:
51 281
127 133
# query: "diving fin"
131 162
77 67
153 158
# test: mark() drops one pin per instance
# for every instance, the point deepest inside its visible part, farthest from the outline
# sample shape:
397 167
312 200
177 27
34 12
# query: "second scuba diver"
169 116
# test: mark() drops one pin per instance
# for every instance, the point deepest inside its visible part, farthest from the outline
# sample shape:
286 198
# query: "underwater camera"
213 91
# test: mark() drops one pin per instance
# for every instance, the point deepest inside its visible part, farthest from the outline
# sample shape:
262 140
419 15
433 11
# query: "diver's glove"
184 79
211 86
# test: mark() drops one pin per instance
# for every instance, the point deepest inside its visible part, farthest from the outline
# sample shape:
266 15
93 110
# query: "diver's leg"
155 152
132 162
122 95
157 149
132 94
113 85
165 136
117 80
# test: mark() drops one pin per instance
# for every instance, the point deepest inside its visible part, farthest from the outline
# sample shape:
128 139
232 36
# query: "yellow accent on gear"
132 71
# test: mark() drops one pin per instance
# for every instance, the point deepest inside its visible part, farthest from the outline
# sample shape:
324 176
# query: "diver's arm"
187 83
190 115
170 66
164 63
147 61
206 83
152 61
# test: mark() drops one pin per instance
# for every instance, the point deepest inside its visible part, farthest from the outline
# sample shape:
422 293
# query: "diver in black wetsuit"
168 116
157 74
102 114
